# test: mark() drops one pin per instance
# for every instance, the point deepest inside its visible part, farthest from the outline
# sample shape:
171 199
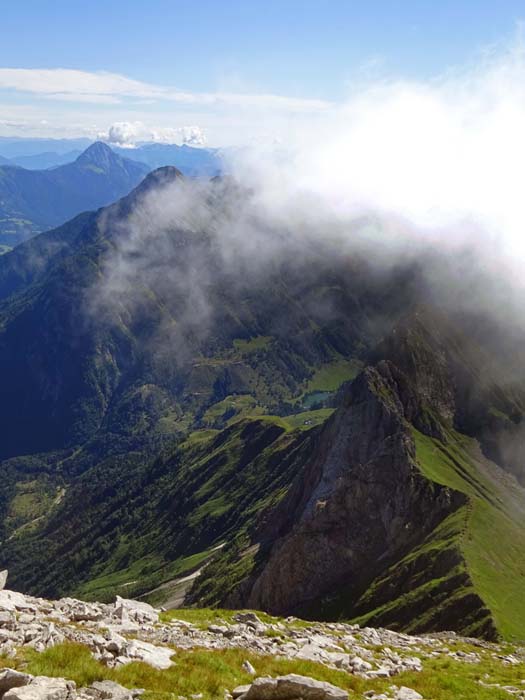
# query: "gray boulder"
3 579
405 693
43 688
135 610
156 656
291 687
246 665
108 690
12 679
247 617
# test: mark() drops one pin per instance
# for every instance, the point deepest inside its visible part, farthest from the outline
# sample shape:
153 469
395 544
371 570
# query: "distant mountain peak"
98 154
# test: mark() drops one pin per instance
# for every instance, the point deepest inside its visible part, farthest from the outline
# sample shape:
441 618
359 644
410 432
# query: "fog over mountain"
401 172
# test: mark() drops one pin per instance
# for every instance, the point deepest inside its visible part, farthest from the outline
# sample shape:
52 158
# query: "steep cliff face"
402 515
359 503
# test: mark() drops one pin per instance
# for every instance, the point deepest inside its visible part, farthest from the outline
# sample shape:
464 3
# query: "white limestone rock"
135 610
43 688
3 579
158 657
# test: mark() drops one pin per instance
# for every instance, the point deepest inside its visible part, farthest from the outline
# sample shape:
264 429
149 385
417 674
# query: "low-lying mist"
404 173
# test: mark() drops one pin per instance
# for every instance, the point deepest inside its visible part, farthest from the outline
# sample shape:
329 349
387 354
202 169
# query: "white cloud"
192 136
446 157
127 134
102 87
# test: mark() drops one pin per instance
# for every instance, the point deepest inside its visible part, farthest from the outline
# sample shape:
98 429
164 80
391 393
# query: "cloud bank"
445 159
403 172
128 134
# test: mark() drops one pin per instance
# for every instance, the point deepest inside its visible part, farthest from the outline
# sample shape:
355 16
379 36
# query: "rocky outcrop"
358 504
367 654
112 632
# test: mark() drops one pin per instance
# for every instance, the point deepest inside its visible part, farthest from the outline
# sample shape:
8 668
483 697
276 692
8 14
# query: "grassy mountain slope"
131 524
477 552
89 406
495 515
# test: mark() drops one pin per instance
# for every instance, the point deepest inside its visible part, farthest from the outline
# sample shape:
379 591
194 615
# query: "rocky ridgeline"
129 630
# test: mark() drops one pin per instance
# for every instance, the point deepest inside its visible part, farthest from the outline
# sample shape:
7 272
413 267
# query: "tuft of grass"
68 660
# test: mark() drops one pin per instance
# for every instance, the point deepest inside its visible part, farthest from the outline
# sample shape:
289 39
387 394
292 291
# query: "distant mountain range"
12 147
45 160
32 201
40 189
41 154
193 162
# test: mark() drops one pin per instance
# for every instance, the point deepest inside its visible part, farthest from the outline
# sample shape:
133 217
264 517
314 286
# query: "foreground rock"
131 631
10 679
43 688
291 687
158 657
107 690
22 686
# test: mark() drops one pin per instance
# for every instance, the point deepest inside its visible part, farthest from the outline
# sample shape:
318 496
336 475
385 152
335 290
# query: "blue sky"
182 55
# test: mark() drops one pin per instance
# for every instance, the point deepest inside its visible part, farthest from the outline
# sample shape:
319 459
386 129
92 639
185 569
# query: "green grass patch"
154 569
230 409
32 502
493 538
308 419
259 342
329 377
212 672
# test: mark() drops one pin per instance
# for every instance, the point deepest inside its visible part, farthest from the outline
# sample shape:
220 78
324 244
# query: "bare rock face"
3 579
359 502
